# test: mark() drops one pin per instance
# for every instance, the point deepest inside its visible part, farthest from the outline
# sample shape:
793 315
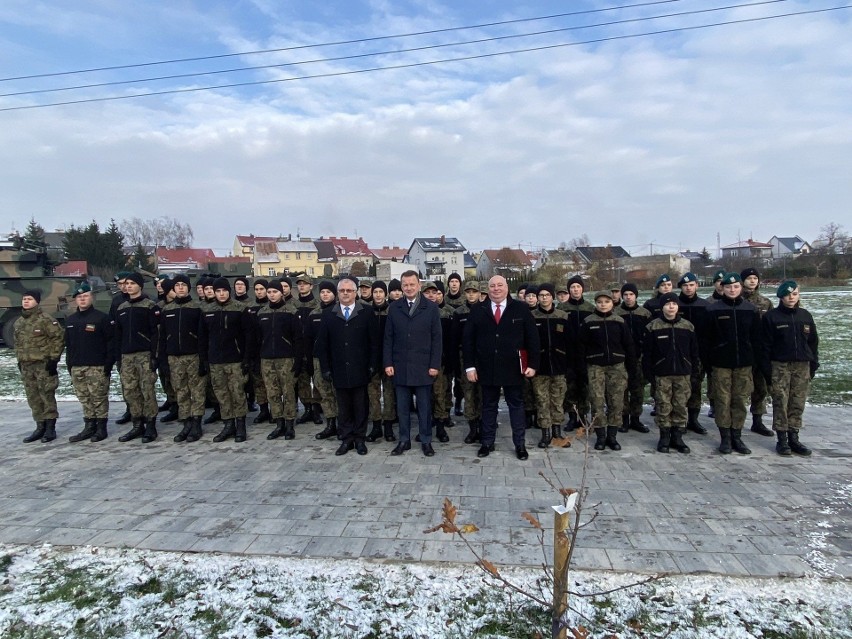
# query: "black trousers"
353 409
424 412
514 396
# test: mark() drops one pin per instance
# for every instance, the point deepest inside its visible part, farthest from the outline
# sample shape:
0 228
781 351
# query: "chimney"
443 240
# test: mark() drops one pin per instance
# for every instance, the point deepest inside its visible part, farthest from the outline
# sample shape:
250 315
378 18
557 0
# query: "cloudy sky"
742 130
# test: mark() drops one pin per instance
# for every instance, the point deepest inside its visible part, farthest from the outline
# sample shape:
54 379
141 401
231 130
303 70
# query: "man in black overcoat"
500 347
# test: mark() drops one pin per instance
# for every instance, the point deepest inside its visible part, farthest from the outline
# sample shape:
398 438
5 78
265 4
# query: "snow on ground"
95 592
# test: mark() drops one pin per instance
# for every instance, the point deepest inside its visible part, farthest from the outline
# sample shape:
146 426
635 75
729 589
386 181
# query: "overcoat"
349 350
412 341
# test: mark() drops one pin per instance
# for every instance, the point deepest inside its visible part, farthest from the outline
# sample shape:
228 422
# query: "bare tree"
164 231
832 237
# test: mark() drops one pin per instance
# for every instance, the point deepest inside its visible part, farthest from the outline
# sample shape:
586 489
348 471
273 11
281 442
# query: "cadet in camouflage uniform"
472 391
255 376
670 357
715 296
118 298
455 298
328 400
549 383
171 404
606 346
483 291
577 395
279 346
241 294
365 290
731 345
305 302
225 331
441 398
790 361
380 390
751 293
664 285
637 319
39 340
137 332
90 357
693 309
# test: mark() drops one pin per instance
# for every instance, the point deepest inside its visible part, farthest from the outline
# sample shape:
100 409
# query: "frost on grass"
92 592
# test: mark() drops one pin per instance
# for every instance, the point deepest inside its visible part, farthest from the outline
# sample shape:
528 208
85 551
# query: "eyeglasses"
346 290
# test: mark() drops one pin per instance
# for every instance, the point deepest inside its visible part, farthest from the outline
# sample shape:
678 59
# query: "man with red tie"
500 348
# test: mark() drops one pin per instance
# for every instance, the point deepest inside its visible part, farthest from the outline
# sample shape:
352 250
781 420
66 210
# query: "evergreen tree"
141 260
34 235
113 247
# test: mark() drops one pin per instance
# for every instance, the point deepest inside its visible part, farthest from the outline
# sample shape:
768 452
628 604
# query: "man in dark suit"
348 347
412 359
497 334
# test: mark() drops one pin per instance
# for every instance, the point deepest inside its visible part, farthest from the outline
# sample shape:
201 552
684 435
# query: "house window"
286 256
298 256
270 272
310 270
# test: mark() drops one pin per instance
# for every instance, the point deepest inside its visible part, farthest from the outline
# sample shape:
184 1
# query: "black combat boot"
600 442
86 433
677 440
172 415
636 425
150 430
135 432
263 416
251 405
712 412
665 439
240 430
278 430
377 432
441 431
612 438
289 429
783 445
692 422
195 432
758 427
50 431
215 416
100 430
796 446
228 430
737 442
546 436
184 432
556 431
330 429
307 416
573 421
625 423
473 434
457 409
124 419
725 443
317 414
37 434
388 427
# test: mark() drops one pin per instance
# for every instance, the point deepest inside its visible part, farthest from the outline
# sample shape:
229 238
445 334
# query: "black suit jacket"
412 342
350 351
493 348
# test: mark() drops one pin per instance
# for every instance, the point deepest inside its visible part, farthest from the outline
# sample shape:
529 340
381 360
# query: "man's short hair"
410 274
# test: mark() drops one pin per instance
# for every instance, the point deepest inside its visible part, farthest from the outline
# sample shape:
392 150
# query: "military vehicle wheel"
9 331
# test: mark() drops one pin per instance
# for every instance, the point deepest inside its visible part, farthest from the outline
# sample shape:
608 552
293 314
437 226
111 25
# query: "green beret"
718 275
787 287
83 287
121 275
663 278
731 278
687 277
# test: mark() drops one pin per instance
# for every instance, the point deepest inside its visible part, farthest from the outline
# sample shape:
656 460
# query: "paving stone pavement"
757 515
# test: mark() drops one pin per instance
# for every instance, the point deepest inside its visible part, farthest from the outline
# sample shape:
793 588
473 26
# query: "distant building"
650 267
182 260
469 267
747 249
353 255
604 255
286 257
505 261
436 257
74 268
244 244
389 254
327 257
788 246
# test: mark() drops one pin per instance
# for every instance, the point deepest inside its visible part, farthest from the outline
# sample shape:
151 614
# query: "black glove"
814 367
51 366
19 367
326 375
245 367
297 367
203 368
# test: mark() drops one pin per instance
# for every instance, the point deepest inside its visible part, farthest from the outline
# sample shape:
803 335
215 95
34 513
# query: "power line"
337 43
382 53
421 64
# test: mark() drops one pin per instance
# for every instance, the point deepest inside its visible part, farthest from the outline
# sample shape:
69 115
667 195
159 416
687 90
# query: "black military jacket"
89 339
225 332
732 338
137 326
669 348
181 324
606 340
789 335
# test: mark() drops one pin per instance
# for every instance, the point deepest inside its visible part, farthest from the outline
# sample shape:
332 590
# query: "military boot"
307 416
472 436
600 441
184 432
50 431
228 430
441 431
289 429
556 431
330 429
37 434
737 442
637 425
796 446
758 427
573 421
783 445
240 430
612 438
150 431
317 414
725 443
86 433
166 405
215 416
135 432
546 436
125 418
692 422
195 432
278 430
377 432
172 415
625 423
677 440
100 430
263 416
388 428
665 439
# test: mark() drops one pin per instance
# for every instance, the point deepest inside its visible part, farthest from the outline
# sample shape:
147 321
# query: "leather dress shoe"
360 448
345 447
401 447
522 453
484 450
428 450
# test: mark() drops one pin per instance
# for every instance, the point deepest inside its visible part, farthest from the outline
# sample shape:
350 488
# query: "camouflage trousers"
382 397
307 393
40 389
694 401
138 384
256 380
229 385
549 394
577 394
190 387
731 390
442 397
91 386
530 402
280 380
472 399
759 394
328 400
791 382
634 395
606 394
672 396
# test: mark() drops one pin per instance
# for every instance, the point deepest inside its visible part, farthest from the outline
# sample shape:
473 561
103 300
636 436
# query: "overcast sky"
741 130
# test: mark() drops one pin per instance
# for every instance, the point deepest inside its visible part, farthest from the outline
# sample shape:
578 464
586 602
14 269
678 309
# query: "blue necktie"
346 313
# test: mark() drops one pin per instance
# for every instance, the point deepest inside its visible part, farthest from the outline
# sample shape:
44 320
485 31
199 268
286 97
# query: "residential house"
788 246
353 255
182 260
244 244
505 261
469 267
649 267
327 258
747 249
436 258
571 261
286 256
74 268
